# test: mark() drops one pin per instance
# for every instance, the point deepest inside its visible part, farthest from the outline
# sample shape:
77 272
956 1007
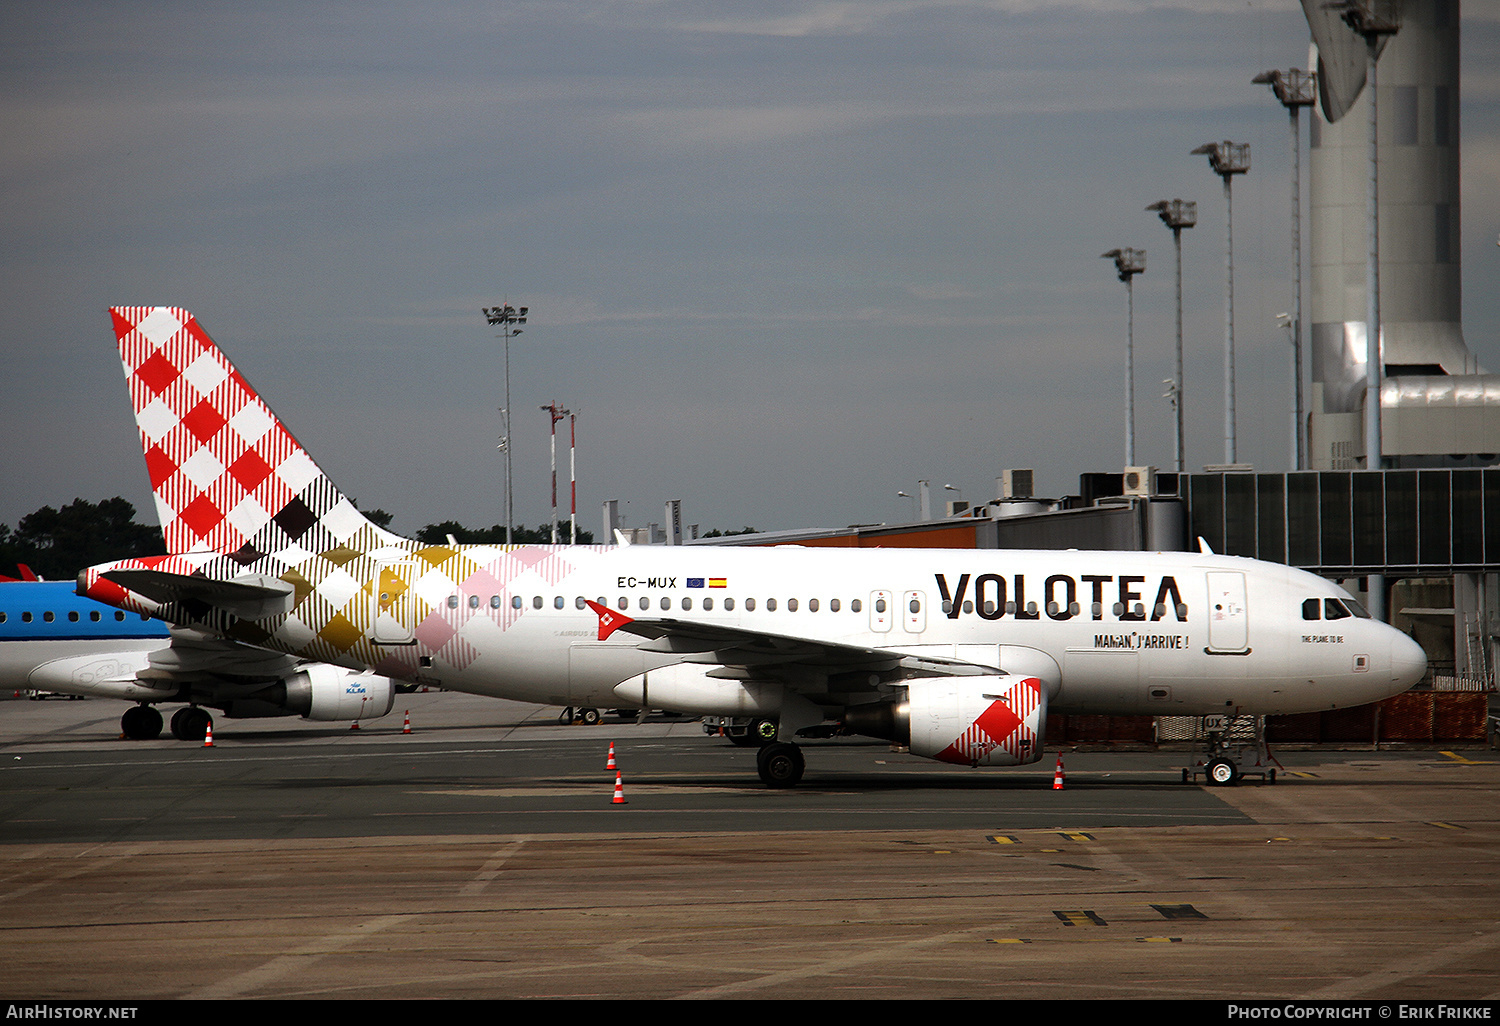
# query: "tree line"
57 543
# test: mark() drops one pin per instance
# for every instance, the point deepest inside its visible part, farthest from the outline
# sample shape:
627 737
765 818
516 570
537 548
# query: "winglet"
609 620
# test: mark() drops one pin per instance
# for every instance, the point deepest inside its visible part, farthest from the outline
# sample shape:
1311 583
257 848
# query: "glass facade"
1352 521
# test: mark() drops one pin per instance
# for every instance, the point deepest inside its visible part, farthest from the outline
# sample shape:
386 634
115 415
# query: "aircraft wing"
193 657
777 656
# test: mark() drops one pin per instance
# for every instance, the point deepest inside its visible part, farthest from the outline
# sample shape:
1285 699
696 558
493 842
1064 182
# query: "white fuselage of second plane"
1166 633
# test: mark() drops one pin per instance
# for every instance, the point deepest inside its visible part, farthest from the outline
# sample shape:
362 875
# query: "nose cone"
1408 661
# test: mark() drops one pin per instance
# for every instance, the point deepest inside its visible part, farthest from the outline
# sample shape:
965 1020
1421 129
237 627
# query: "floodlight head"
1128 262
1226 158
1176 213
1293 87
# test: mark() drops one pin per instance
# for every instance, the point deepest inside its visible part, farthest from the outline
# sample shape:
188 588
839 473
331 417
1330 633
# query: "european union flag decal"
695 582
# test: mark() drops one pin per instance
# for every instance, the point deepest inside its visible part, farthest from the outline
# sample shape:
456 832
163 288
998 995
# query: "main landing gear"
141 723
190 723
780 764
587 716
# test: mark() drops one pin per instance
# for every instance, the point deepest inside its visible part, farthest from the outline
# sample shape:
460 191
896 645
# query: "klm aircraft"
53 640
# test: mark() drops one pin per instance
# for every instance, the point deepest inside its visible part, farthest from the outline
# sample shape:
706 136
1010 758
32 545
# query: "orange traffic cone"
208 735
406 726
1057 778
619 790
611 763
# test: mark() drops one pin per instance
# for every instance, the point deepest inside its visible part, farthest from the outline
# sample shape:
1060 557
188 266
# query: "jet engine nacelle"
320 691
977 721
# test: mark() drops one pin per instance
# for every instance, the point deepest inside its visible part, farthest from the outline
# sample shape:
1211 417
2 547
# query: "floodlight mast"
1374 21
1129 263
1177 214
1295 89
503 317
1228 159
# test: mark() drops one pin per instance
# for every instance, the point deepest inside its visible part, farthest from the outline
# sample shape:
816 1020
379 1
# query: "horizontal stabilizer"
249 600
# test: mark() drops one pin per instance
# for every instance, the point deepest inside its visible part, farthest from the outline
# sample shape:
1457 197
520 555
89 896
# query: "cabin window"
770 605
749 605
582 603
915 605
452 601
855 605
119 615
968 605
791 605
708 605
48 616
73 616
833 605
666 603
26 617
645 602
473 601
515 602
812 605
687 603
559 602
536 602
624 603
880 605
729 605
494 601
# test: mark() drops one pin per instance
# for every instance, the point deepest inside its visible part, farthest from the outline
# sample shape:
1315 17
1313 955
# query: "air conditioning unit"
1015 484
1140 480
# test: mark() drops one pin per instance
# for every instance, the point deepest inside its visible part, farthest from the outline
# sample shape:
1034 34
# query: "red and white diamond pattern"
221 464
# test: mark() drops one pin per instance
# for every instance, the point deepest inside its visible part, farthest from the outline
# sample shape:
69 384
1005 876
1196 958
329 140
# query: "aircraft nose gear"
780 764
1235 747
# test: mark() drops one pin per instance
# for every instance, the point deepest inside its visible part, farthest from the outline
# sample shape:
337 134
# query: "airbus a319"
959 654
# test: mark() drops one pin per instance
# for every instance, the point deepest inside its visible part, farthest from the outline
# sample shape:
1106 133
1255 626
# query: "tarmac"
483 856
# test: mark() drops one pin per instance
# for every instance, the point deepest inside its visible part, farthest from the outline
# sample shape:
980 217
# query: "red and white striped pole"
573 479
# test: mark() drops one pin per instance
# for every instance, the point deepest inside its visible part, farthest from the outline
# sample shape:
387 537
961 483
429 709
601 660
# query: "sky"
782 259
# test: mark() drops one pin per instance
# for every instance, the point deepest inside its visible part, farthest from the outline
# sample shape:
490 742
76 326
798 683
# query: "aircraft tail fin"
227 476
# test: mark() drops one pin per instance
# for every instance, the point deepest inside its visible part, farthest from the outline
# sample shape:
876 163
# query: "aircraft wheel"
1222 772
762 731
780 764
190 723
590 717
141 723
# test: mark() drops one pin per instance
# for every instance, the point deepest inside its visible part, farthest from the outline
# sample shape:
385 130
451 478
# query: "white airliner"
959 654
53 641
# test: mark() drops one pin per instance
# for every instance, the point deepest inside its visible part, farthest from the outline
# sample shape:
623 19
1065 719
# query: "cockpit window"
1312 610
1357 609
1333 609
